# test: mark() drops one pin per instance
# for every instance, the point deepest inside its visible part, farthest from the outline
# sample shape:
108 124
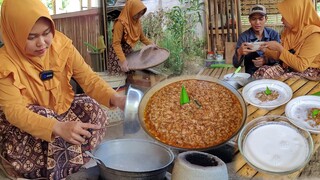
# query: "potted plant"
96 54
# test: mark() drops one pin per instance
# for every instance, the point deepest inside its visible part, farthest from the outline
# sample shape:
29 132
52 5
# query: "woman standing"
299 51
44 128
127 31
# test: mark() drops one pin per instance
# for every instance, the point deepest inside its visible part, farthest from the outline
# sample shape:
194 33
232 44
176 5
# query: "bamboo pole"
221 19
228 20
216 26
210 26
239 24
232 21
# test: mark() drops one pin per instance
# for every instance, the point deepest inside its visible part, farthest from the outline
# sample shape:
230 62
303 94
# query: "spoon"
236 71
94 158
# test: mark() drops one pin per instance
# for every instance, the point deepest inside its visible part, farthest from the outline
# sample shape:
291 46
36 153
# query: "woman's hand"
124 66
272 45
74 132
118 100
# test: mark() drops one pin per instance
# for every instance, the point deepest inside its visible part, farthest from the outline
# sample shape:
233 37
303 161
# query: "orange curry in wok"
213 115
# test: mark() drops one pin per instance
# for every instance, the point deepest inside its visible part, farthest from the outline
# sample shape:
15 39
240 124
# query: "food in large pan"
216 112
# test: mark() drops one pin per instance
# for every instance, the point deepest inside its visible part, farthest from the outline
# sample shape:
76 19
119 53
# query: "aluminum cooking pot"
133 159
157 87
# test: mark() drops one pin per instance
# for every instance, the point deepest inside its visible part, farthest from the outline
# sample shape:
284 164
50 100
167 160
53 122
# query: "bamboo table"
299 87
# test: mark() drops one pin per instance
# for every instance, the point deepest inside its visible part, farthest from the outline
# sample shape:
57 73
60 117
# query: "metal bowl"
164 83
237 80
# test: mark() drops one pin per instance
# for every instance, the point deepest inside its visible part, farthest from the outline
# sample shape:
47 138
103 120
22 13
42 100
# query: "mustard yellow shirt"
20 84
307 56
118 38
15 96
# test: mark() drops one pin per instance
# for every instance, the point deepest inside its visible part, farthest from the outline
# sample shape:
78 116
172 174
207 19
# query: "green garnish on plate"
315 112
267 91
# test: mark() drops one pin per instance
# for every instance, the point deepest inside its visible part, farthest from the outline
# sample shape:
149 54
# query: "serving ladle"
236 71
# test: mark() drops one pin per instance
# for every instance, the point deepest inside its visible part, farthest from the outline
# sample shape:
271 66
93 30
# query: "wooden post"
210 26
221 19
216 26
232 21
227 17
239 24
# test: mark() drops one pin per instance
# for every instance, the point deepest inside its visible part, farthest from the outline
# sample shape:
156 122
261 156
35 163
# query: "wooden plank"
247 171
218 73
230 48
315 89
239 161
224 72
215 70
207 72
262 176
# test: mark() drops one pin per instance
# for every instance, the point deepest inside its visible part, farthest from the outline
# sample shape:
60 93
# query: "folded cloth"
147 57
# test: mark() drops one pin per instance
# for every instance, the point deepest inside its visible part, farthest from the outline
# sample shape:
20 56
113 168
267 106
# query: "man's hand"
74 132
124 66
245 49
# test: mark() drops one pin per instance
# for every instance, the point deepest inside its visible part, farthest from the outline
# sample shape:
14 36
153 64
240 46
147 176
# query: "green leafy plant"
93 48
99 48
175 30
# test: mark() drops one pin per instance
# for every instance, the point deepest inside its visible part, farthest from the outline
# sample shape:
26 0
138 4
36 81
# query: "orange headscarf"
17 20
132 28
302 16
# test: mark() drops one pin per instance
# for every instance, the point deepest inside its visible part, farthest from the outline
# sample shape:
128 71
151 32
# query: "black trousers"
248 64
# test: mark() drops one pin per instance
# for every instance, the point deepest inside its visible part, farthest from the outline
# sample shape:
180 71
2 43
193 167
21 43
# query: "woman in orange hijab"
127 31
299 50
44 127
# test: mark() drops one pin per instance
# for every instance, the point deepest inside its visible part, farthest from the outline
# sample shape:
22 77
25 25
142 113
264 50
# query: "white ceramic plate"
251 89
297 111
256 45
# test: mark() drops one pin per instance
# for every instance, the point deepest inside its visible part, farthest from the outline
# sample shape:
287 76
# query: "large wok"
164 83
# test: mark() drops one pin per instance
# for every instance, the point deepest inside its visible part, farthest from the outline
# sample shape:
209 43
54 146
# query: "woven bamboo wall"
81 27
271 5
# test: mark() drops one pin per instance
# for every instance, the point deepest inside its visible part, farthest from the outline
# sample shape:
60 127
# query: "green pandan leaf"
315 112
184 98
267 91
316 94
221 65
